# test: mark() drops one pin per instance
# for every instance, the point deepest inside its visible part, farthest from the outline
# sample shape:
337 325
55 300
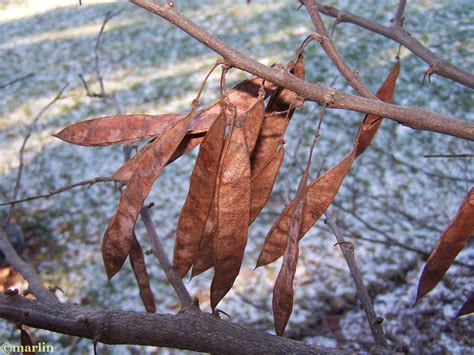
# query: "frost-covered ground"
392 195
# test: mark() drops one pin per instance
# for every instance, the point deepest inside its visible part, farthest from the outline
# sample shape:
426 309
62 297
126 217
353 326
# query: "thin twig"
389 240
17 187
399 18
21 78
60 190
375 322
465 155
158 250
398 34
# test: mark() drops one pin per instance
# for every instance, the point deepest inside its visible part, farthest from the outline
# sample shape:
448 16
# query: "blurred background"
393 205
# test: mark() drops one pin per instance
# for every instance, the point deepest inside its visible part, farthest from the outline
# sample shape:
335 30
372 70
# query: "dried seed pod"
451 242
268 153
262 183
119 235
195 211
283 292
243 95
137 260
253 120
321 192
233 212
205 259
279 112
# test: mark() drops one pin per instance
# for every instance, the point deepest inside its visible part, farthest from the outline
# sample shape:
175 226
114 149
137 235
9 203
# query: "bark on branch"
191 330
413 117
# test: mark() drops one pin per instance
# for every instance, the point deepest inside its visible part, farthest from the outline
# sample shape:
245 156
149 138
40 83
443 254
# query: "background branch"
396 33
332 52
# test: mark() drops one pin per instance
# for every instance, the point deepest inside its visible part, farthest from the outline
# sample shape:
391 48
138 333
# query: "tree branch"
60 190
332 52
26 270
157 248
410 116
396 33
347 249
399 18
191 330
16 189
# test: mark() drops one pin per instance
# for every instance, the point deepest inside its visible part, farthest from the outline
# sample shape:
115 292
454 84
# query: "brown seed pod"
452 241
233 212
195 211
119 235
321 192
137 260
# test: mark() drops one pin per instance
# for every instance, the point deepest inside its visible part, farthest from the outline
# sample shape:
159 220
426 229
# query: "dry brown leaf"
233 212
467 307
195 211
453 239
321 192
119 236
137 260
268 153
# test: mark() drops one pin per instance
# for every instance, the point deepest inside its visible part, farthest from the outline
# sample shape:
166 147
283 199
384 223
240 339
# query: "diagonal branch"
195 331
26 270
347 249
437 64
16 189
89 182
332 52
410 116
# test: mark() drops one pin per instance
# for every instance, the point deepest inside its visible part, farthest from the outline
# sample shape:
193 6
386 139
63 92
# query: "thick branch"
375 322
412 117
192 330
438 65
26 270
